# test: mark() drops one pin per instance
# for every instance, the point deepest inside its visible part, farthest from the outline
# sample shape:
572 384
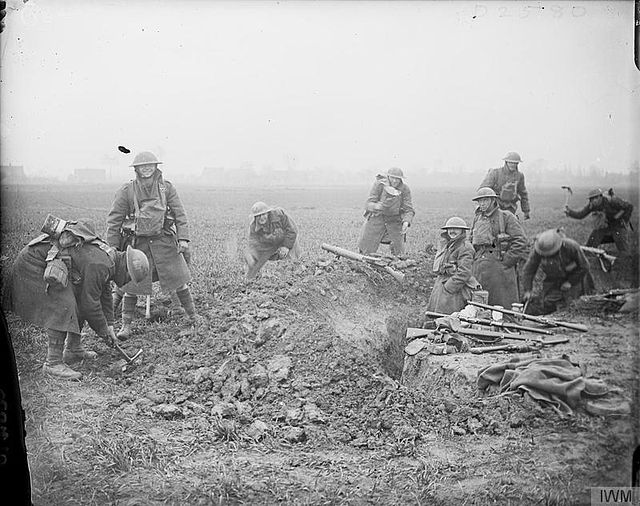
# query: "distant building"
12 174
87 176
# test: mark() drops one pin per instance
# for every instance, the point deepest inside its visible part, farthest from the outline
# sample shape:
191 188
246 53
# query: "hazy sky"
351 85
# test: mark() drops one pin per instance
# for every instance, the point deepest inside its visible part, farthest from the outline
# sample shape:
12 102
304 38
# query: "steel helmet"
485 192
396 172
455 222
260 208
597 192
137 264
548 243
512 156
143 158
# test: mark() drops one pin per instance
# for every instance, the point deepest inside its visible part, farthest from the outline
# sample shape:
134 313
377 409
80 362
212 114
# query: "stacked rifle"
531 338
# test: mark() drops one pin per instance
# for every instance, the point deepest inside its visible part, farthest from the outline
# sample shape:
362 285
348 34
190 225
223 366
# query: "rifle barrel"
537 319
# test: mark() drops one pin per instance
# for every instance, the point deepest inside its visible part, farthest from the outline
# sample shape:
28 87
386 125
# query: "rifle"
482 321
377 262
538 319
602 255
518 348
481 334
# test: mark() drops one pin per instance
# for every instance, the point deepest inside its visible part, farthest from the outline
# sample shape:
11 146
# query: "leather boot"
53 365
125 332
175 309
74 350
128 309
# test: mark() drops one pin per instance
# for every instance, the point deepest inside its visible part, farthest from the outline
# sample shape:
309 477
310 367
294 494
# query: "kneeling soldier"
453 263
61 281
565 268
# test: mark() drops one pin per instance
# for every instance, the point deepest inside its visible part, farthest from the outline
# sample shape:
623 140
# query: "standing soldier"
62 279
508 183
147 213
611 216
272 236
500 243
565 268
453 264
389 212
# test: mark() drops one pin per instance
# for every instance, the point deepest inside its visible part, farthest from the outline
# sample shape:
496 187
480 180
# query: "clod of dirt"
278 367
168 411
295 435
268 330
257 430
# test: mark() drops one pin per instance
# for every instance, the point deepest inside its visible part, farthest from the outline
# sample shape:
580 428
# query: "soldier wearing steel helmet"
272 236
453 264
508 183
611 217
148 213
388 213
500 244
61 280
565 268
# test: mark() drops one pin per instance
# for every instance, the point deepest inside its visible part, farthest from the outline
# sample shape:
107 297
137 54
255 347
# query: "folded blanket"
557 382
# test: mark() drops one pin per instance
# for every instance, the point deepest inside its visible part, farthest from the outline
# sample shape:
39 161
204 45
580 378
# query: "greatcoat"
387 221
87 297
453 286
500 243
160 222
264 240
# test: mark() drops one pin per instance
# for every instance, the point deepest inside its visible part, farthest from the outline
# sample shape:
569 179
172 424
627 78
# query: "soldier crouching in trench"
566 273
160 230
60 281
272 236
453 263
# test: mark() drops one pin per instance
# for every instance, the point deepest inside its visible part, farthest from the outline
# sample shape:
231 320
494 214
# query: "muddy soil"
292 392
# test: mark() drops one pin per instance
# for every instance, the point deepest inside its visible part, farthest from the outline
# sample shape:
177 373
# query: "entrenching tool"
147 311
538 319
381 263
125 355
569 194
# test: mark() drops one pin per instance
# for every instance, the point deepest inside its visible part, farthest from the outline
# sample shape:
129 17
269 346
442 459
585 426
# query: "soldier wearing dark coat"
565 268
453 264
500 243
147 212
611 214
388 213
508 184
272 236
61 281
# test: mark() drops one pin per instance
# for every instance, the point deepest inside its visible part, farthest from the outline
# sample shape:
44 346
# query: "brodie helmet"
145 157
548 243
260 208
396 172
485 192
512 156
597 192
455 222
137 264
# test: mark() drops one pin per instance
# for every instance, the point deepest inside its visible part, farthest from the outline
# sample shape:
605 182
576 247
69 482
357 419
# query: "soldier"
508 183
500 243
565 268
148 212
272 236
61 281
389 212
453 264
611 216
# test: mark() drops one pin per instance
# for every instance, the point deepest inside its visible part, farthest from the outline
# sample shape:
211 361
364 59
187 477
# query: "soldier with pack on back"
388 213
147 213
611 219
508 184
500 243
62 279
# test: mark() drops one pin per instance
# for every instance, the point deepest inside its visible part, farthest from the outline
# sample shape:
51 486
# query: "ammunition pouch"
508 192
56 273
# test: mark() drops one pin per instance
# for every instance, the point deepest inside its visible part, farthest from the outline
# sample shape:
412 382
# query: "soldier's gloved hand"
110 337
405 227
283 251
377 206
183 246
526 216
526 296
565 286
566 209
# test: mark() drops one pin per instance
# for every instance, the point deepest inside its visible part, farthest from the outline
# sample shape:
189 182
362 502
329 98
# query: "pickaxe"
124 353
569 194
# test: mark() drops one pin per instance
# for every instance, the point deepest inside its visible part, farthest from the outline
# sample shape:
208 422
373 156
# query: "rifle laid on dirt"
374 261
602 257
491 323
487 336
519 348
538 319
